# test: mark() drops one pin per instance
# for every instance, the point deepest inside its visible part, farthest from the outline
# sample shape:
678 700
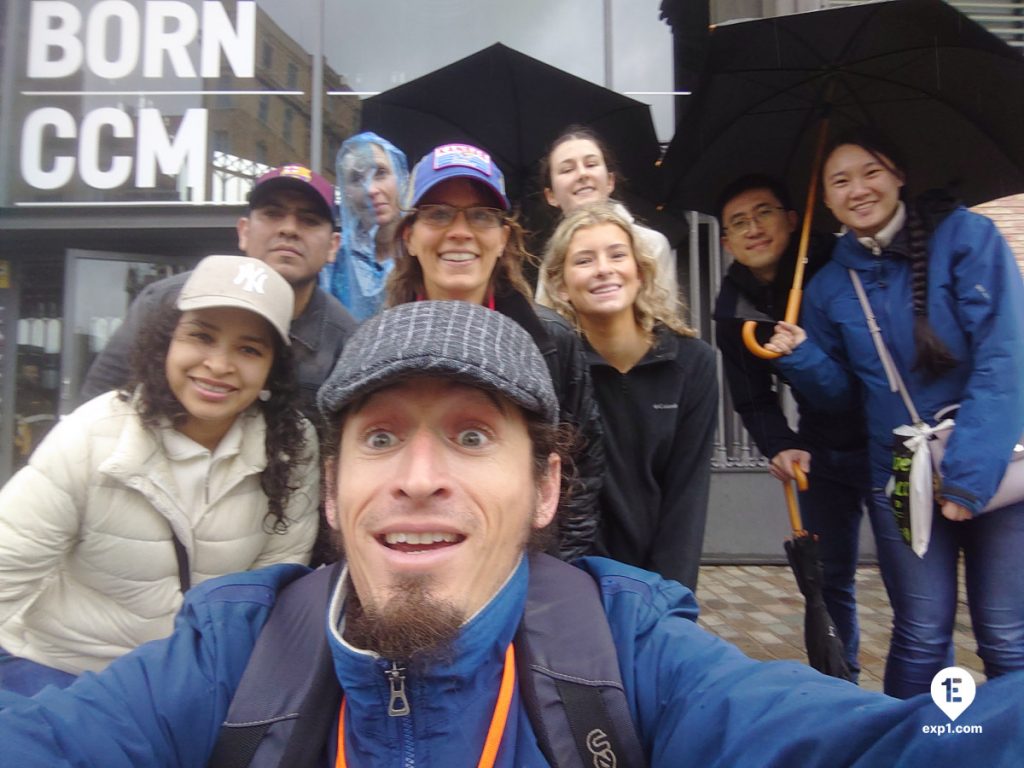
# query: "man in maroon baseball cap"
290 226
299 178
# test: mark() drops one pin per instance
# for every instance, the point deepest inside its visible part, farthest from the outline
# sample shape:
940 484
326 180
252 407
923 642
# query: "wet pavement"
760 609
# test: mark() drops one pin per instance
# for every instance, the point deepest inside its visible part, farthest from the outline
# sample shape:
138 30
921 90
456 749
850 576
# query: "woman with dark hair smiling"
459 242
578 170
202 467
946 294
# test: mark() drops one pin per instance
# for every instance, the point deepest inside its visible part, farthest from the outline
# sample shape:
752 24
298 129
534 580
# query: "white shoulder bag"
927 444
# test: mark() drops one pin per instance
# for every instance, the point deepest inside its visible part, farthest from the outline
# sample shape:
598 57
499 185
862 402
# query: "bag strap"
570 681
892 373
288 696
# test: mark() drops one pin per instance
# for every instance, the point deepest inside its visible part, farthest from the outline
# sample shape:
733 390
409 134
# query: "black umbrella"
943 89
824 647
939 86
513 106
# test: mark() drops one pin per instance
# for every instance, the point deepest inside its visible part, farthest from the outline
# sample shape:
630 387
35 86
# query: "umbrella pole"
796 292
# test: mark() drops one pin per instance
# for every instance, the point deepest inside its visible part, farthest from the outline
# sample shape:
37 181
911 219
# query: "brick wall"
1008 214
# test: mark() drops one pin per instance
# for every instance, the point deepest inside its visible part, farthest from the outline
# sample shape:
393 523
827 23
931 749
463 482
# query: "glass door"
99 286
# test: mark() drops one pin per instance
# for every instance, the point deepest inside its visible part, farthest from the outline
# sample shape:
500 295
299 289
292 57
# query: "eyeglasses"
477 216
761 216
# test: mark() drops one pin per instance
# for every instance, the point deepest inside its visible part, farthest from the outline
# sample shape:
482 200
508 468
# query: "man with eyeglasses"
758 223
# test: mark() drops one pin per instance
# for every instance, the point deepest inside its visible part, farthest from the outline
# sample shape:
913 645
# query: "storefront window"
130 126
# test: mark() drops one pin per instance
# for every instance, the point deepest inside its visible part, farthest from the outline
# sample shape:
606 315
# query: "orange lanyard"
498 719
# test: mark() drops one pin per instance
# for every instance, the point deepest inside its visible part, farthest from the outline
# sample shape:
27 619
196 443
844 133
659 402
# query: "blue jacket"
975 305
696 700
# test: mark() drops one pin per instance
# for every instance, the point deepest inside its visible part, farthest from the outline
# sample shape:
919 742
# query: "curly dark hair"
285 438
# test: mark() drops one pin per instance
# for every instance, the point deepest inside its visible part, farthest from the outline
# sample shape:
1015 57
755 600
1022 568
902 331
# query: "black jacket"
752 381
659 424
563 352
318 336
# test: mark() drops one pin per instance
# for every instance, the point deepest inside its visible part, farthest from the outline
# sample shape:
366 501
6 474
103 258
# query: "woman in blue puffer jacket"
947 294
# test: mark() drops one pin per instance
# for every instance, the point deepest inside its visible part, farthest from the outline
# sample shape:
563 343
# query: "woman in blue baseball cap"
458 241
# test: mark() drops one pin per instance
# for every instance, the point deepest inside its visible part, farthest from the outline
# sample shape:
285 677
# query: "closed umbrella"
821 639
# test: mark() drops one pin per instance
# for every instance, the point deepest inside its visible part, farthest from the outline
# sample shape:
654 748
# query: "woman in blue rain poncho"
372 176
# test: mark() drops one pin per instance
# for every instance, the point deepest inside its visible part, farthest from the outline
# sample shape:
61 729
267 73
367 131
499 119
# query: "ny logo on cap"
252 277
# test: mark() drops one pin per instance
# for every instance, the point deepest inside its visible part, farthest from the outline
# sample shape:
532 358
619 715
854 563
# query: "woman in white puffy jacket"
202 468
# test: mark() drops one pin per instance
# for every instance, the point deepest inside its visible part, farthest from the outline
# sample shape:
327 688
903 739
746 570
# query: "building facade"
134 130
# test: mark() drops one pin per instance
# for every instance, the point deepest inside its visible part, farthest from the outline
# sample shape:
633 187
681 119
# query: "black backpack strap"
569 677
288 697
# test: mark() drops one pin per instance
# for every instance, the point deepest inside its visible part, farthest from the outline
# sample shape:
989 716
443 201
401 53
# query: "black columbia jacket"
563 352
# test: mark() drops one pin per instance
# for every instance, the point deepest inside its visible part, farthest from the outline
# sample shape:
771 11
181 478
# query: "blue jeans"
831 507
923 593
26 677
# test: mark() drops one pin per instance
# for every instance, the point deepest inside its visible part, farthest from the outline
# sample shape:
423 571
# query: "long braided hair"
931 354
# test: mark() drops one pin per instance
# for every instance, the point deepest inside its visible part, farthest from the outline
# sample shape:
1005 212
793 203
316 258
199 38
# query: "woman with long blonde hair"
655 385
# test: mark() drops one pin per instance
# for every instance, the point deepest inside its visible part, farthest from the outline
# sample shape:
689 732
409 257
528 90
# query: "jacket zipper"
398 706
398 703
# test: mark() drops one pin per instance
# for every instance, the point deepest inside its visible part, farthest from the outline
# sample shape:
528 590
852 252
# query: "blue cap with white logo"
457 161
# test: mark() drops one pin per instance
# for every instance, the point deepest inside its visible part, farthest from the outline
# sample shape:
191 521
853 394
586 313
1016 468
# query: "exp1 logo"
953 692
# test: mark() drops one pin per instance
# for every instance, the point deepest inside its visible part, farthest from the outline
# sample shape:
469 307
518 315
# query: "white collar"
885 235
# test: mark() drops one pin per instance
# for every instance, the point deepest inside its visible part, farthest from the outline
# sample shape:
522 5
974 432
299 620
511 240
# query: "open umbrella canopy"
513 106
941 88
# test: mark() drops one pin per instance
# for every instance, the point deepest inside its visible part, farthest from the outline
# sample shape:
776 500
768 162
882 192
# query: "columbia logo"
252 277
665 406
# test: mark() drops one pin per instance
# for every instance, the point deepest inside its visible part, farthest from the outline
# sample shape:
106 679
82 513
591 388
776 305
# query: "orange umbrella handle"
796 292
795 521
800 475
750 342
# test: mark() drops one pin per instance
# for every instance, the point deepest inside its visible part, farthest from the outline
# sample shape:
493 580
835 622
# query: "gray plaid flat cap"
442 338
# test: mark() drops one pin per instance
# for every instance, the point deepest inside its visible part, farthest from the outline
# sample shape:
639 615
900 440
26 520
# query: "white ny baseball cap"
242 282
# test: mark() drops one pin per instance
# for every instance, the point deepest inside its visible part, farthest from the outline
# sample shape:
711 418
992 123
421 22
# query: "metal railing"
733 447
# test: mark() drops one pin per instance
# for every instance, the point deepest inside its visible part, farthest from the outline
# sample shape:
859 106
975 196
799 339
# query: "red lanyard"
498 719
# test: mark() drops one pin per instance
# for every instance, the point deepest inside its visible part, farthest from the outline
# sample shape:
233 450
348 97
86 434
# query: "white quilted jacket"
87 564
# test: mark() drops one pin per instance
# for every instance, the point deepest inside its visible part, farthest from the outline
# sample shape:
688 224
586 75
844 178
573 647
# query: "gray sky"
378 44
